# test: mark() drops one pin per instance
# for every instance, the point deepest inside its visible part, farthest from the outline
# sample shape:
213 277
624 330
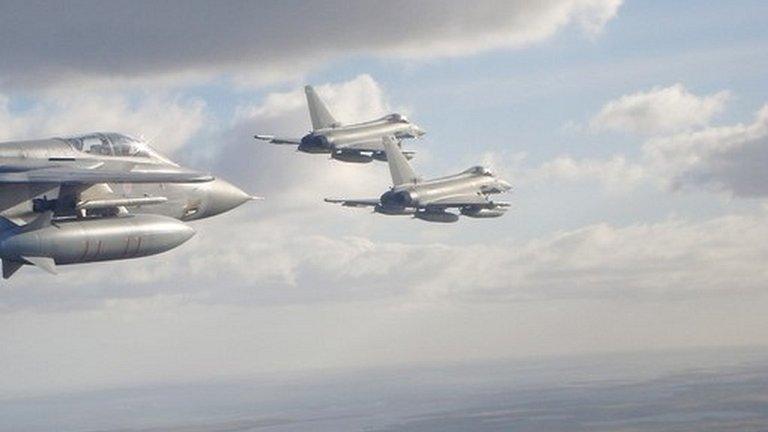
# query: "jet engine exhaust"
314 144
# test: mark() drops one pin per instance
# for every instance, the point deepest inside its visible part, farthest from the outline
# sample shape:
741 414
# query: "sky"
635 135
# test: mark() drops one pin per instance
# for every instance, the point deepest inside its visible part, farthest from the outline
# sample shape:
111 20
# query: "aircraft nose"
504 185
224 196
417 131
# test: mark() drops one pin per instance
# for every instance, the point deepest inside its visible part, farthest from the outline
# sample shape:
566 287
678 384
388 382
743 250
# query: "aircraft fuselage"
336 139
65 218
185 201
421 194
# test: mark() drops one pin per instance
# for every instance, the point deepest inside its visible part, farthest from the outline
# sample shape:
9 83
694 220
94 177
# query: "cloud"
272 261
168 121
616 174
358 99
659 111
725 158
175 42
269 296
684 151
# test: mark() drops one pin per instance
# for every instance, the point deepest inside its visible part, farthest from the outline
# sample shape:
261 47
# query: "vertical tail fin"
318 112
401 170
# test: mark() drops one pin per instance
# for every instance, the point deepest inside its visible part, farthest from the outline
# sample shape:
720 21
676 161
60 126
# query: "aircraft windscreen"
397 118
113 144
480 170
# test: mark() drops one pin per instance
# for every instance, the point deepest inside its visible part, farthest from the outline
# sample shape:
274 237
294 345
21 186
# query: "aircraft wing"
372 202
278 140
459 201
83 176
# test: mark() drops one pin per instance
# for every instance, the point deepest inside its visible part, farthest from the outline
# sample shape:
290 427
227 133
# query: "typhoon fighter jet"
359 142
429 200
98 197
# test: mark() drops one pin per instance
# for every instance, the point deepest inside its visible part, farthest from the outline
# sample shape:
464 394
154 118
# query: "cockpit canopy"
479 170
398 118
113 144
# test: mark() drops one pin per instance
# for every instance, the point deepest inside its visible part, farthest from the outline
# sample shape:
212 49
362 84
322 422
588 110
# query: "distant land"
694 390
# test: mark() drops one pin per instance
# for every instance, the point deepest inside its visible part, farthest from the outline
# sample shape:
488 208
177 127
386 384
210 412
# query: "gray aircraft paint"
468 191
78 241
359 142
64 203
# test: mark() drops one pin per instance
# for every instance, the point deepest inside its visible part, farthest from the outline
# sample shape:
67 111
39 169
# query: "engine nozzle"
314 144
399 199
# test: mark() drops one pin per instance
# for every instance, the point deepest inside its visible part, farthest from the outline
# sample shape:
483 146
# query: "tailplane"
318 112
401 170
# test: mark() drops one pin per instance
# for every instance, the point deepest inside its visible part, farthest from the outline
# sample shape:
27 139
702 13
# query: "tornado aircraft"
98 197
358 143
430 200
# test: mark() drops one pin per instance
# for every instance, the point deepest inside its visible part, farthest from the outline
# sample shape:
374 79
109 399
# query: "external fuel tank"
89 240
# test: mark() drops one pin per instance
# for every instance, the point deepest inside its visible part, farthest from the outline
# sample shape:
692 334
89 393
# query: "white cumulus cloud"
269 261
658 111
684 149
726 158
169 122
616 174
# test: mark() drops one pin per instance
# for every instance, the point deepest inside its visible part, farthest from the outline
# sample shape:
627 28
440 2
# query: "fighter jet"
359 142
429 200
98 197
